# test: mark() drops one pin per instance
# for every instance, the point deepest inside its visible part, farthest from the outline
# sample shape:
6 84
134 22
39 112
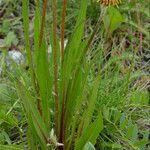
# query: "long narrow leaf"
91 133
32 113
9 147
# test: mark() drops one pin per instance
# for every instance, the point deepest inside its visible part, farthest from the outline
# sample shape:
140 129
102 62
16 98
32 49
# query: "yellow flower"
109 2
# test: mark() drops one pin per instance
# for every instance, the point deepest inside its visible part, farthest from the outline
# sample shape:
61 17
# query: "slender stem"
95 30
62 123
62 129
63 28
54 25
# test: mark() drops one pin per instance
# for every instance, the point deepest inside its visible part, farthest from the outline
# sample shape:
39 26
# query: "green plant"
74 97
88 95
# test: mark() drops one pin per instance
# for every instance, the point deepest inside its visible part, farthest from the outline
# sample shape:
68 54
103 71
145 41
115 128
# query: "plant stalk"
62 129
54 26
63 28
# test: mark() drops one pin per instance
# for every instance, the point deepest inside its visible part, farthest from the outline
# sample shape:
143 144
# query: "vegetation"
83 79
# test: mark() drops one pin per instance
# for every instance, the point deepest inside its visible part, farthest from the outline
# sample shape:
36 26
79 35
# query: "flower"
109 2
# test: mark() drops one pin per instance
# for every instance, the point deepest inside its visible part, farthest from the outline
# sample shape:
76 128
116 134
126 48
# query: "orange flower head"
109 2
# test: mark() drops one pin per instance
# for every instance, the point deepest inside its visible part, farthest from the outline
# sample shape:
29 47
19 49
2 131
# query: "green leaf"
34 118
91 133
141 143
5 27
9 147
112 20
123 122
89 146
72 51
5 136
72 71
130 131
11 39
9 119
116 146
92 102
106 113
135 133
42 69
44 81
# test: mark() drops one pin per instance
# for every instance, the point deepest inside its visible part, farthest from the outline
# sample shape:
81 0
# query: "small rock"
16 56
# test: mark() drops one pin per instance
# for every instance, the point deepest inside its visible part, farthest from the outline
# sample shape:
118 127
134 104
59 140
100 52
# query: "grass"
87 95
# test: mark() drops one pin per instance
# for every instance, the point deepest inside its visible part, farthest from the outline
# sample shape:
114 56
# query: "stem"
62 123
62 128
63 28
95 30
54 9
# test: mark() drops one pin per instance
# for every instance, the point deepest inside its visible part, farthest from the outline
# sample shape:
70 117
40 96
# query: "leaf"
5 26
4 93
129 131
9 147
135 133
92 102
6 136
91 133
116 146
34 118
89 146
72 51
11 39
37 23
112 20
117 116
42 68
141 143
10 119
40 74
72 71
44 80
106 113
123 122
